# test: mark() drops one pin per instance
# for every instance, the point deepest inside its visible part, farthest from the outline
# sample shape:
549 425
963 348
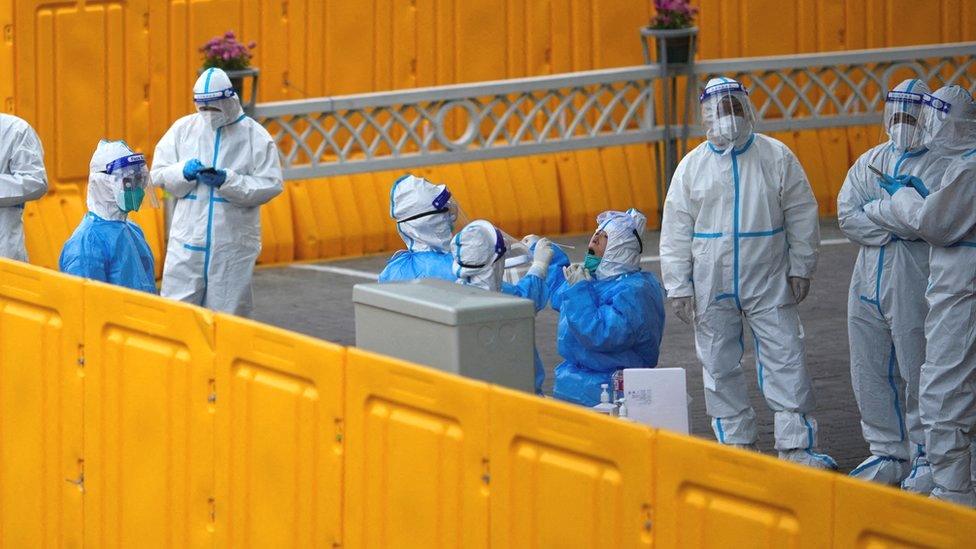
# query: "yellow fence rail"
129 420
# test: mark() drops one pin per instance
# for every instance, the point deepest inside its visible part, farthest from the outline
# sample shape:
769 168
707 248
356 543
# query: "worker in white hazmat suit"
739 245
221 166
943 212
886 305
22 179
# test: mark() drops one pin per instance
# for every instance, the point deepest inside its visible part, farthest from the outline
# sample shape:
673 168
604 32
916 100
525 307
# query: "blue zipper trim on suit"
735 232
754 234
718 428
881 254
759 366
193 248
210 207
706 235
894 389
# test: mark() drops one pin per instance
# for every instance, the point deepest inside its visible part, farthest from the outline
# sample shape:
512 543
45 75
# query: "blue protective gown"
604 326
532 287
407 265
110 251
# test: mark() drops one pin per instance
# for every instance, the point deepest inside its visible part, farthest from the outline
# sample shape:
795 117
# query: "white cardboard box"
657 397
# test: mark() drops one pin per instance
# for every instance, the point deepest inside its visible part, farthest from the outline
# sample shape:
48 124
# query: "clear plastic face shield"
935 115
902 113
727 114
133 182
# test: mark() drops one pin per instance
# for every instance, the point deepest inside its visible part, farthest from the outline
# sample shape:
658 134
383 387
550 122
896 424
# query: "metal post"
669 95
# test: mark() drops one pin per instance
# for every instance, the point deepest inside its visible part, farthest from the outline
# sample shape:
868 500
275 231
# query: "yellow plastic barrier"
565 477
416 464
148 422
130 420
279 437
40 407
49 222
868 515
713 496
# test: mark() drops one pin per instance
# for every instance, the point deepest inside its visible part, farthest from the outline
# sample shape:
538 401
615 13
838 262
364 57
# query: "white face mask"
904 136
731 127
215 119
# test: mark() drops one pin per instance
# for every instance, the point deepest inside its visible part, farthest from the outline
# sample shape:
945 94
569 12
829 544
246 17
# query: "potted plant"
234 57
673 26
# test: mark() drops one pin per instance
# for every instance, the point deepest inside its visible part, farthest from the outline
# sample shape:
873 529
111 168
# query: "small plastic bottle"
622 410
605 407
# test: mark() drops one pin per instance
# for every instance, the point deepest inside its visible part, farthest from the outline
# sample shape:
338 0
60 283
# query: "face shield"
131 182
517 262
903 108
728 118
948 120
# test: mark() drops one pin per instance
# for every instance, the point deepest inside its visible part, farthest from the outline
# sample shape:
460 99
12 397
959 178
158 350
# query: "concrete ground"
316 299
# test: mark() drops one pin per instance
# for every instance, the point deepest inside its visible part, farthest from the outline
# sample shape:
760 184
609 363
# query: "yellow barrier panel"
531 204
508 215
279 438
709 495
868 515
563 476
546 183
484 204
575 213
416 448
40 407
643 180
375 215
149 427
49 222
617 176
185 429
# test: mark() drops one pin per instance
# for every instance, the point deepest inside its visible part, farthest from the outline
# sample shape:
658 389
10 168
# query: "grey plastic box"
459 329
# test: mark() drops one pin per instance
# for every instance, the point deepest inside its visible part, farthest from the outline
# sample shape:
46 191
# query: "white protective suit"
946 219
215 235
737 222
22 179
886 305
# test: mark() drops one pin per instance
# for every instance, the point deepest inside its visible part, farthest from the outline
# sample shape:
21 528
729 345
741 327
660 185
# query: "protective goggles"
440 206
724 88
500 249
209 97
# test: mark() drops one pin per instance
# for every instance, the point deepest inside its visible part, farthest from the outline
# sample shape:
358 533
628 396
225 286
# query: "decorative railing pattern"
484 120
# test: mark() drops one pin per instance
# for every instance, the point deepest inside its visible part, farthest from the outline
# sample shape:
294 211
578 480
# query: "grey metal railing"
484 120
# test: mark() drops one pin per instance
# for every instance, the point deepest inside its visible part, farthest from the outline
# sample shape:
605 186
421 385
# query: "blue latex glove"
191 169
890 184
915 183
212 179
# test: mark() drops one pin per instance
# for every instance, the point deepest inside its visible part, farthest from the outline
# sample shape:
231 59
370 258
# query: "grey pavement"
316 299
